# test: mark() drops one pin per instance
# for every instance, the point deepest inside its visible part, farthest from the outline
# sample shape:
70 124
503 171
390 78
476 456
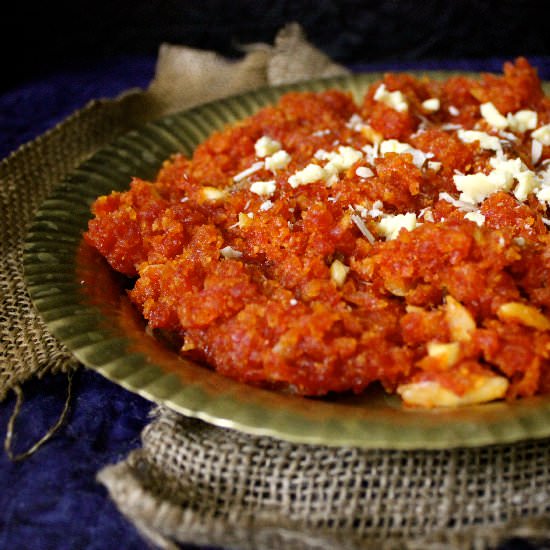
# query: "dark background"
53 36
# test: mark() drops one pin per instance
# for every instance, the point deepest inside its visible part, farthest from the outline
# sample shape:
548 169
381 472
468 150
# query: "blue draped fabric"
52 500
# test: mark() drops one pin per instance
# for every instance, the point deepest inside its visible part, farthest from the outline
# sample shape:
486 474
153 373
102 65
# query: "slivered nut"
188 346
212 193
245 219
524 314
371 134
459 320
447 354
413 309
396 289
230 253
338 272
433 394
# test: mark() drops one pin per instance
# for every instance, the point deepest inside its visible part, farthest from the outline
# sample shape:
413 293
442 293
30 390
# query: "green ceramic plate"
83 303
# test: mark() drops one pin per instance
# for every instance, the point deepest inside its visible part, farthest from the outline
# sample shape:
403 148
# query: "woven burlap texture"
26 178
184 77
192 482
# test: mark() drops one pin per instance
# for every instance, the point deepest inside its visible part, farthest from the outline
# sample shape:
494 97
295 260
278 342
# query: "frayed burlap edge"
26 178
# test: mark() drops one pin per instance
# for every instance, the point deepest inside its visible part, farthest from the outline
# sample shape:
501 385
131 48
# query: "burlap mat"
191 482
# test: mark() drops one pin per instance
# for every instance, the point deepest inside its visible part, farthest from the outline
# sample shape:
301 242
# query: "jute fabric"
192 482
195 483
26 179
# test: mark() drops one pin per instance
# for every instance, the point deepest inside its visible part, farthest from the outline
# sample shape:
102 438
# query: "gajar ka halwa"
320 246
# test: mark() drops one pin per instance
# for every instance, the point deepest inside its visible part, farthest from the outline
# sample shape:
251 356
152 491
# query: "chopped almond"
432 394
338 272
212 193
524 314
447 354
459 319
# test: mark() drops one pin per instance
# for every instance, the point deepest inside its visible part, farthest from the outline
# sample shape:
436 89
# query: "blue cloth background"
51 500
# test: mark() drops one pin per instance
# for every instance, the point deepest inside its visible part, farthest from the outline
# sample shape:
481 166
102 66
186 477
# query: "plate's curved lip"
49 261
